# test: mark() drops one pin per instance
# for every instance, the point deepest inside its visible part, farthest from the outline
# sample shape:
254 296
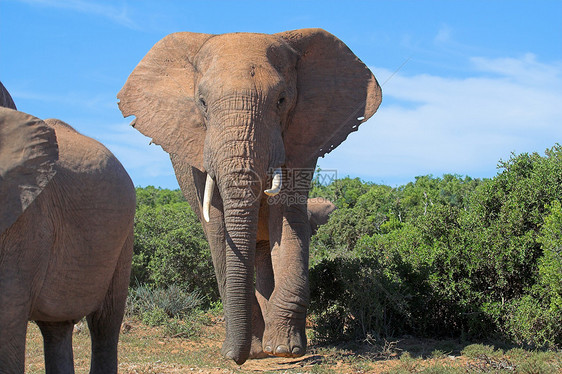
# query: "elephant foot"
256 351
258 327
285 340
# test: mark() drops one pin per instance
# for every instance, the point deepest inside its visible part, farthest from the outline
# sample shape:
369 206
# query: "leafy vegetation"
172 270
448 256
170 247
177 311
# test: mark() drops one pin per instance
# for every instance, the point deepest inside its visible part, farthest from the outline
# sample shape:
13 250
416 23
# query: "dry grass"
142 349
145 350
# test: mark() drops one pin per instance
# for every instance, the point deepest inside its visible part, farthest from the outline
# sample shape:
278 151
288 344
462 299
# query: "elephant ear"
28 152
160 93
319 210
5 98
336 93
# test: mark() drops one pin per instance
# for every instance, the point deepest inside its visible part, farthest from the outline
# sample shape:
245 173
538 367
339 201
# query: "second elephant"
66 241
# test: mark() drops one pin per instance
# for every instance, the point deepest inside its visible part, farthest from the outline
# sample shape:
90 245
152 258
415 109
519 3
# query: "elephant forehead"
244 50
239 43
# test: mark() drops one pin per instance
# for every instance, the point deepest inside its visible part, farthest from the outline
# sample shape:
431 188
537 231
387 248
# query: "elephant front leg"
285 318
14 311
13 329
15 305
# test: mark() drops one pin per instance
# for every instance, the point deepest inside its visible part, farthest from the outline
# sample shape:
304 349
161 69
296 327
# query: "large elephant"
238 113
65 241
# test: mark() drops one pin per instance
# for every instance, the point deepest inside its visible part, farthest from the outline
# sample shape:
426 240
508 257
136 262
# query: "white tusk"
276 183
207 197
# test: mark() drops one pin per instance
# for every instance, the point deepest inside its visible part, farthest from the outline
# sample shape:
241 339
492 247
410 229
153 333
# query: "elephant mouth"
276 185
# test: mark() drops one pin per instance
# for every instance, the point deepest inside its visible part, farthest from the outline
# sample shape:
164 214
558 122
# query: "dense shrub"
445 256
356 296
170 247
439 256
550 264
534 319
152 196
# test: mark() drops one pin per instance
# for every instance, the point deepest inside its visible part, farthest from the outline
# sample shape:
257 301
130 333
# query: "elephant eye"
203 103
280 101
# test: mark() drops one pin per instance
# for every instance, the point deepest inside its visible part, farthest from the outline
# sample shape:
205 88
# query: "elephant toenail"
268 349
297 350
282 350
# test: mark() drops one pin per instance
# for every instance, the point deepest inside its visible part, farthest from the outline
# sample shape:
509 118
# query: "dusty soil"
146 350
367 358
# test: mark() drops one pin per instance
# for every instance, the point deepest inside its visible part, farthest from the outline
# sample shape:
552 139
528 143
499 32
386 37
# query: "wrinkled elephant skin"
241 114
65 241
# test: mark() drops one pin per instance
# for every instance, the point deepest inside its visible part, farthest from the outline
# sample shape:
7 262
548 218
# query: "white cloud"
525 70
115 14
434 125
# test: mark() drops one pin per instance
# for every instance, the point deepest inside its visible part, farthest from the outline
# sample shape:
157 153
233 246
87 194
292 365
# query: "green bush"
152 196
532 324
449 256
550 264
534 319
372 291
170 247
408 256
445 256
183 328
353 296
154 317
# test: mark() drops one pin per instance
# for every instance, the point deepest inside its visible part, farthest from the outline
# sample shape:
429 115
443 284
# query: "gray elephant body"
68 253
237 113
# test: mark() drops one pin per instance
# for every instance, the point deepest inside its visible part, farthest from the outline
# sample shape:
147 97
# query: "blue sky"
465 83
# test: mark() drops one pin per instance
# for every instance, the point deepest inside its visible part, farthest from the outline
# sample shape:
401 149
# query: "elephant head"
245 109
28 151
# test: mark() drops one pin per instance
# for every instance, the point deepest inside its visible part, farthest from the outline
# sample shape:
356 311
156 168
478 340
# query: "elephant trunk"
240 217
237 158
276 185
